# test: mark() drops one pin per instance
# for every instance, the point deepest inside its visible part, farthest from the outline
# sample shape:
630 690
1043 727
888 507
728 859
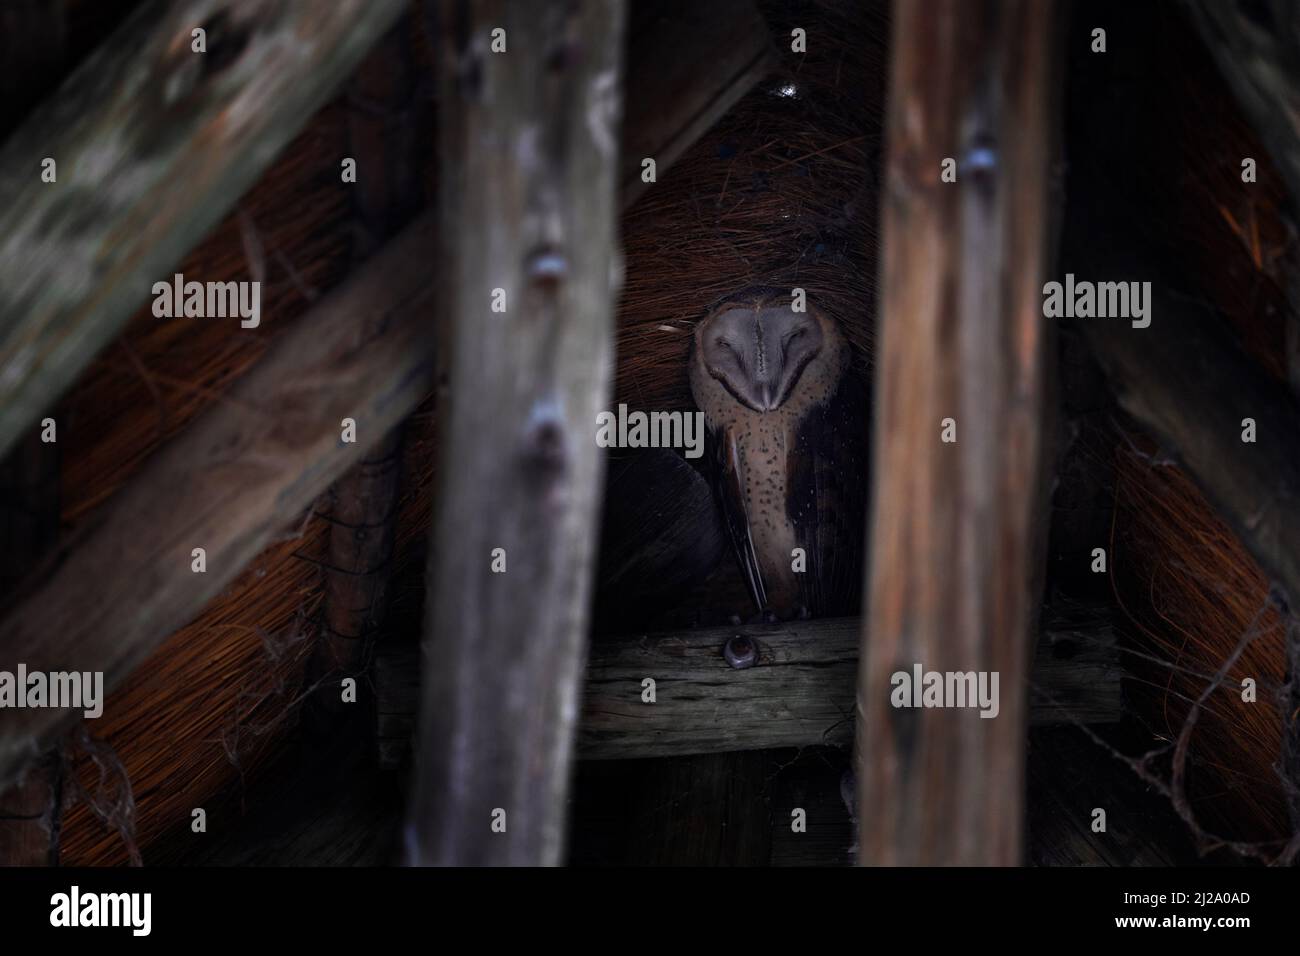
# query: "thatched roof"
782 191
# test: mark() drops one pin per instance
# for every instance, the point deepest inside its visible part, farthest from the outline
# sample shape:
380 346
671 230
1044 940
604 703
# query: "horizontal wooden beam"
799 694
227 484
153 144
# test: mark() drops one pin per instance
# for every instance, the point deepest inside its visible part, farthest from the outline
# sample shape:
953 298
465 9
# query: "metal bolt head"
740 652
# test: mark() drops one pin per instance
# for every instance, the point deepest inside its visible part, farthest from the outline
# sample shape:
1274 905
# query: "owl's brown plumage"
786 435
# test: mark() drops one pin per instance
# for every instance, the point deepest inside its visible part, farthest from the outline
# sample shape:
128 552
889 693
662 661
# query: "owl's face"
759 354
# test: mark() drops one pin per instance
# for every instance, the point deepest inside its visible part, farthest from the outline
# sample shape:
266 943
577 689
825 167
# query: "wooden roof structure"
214 162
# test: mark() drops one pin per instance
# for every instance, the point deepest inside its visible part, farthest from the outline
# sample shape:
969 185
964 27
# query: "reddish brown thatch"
1188 590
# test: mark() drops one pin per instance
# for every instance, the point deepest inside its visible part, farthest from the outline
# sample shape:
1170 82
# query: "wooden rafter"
228 484
153 144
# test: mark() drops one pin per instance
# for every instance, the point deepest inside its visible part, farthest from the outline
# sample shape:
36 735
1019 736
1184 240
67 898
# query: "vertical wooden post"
962 337
529 137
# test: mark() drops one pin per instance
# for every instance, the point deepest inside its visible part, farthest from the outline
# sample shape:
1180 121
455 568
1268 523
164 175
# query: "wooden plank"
154 144
952 536
694 61
800 694
529 203
227 484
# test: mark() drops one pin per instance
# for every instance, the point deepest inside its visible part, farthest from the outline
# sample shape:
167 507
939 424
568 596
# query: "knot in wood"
546 266
545 456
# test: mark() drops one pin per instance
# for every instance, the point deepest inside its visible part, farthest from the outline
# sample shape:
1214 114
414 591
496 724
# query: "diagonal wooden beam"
227 484
529 148
952 535
153 144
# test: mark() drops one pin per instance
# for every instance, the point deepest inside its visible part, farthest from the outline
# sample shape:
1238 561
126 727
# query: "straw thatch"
1188 591
781 192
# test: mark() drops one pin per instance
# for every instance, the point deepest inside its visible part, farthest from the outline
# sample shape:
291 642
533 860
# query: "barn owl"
785 451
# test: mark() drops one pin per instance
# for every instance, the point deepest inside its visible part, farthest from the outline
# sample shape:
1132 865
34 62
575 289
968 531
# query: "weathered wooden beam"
528 196
693 61
962 338
1257 48
153 144
248 466
799 694
1184 379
